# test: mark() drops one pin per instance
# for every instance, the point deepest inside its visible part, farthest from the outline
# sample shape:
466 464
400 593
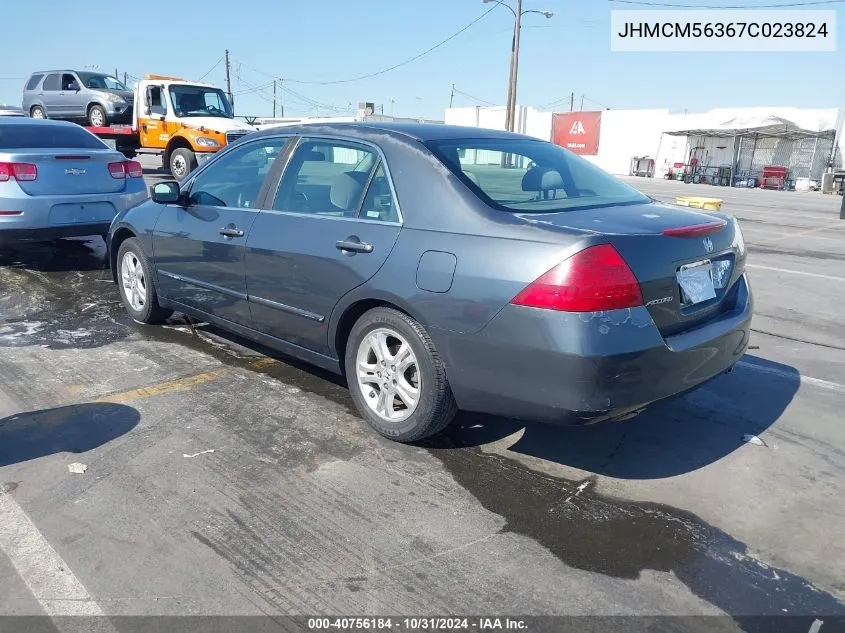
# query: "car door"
73 96
50 95
198 248
332 224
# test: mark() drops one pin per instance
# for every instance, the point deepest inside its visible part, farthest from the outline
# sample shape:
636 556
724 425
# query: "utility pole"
228 80
125 77
572 102
116 76
510 117
582 103
452 97
274 98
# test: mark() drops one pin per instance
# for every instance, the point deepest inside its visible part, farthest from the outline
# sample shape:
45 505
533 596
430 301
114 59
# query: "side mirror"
165 192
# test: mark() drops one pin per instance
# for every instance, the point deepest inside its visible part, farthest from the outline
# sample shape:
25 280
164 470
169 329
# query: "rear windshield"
47 136
525 175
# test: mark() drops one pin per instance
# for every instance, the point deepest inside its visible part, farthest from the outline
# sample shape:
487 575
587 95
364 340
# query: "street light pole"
510 113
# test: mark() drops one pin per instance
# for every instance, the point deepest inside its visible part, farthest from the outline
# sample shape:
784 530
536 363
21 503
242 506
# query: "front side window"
157 104
235 179
52 82
193 101
69 82
528 176
326 178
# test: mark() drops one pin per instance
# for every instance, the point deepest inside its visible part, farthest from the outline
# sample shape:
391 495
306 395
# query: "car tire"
182 162
97 116
133 266
425 372
37 112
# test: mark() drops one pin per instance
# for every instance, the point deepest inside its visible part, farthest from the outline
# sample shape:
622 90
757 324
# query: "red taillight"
11 213
134 169
126 169
592 280
22 172
696 230
117 170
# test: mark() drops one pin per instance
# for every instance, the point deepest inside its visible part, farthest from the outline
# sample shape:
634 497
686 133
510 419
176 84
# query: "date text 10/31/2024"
417 624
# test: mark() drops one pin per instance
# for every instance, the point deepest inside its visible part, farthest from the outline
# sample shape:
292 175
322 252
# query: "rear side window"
528 176
52 82
48 136
33 82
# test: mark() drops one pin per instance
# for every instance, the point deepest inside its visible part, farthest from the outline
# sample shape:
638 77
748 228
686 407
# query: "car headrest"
347 189
542 179
312 156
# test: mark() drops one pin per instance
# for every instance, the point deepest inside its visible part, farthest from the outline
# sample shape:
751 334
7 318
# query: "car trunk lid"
71 172
673 253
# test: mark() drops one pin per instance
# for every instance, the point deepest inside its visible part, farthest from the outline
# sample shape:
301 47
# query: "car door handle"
353 245
230 231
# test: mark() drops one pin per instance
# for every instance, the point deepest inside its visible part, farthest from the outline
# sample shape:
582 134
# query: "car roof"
25 120
413 130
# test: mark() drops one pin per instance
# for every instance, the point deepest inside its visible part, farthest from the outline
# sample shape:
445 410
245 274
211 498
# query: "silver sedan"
59 180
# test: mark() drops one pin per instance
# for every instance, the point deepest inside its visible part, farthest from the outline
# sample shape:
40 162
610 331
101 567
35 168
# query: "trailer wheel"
182 162
97 116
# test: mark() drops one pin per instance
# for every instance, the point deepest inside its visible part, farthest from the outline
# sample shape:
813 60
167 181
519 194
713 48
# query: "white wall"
625 134
529 121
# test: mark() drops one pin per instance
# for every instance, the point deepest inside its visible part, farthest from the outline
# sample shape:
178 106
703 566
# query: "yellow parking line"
165 387
803 233
261 363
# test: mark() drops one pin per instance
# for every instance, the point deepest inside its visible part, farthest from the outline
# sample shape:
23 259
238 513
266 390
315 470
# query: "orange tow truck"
184 122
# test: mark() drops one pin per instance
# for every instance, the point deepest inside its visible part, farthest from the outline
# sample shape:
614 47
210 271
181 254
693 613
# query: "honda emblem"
708 244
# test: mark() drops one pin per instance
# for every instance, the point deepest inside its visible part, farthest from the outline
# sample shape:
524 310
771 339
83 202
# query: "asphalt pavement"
222 479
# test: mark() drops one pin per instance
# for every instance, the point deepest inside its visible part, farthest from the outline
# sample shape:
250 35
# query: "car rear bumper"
586 367
60 216
54 232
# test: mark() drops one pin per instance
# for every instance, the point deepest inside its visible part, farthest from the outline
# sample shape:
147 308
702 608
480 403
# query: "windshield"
198 101
101 82
532 176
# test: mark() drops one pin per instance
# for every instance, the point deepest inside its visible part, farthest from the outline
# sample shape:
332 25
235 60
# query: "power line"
471 97
210 70
384 70
806 3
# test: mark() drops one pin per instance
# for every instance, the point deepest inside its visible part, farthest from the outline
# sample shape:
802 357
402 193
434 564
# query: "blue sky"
327 40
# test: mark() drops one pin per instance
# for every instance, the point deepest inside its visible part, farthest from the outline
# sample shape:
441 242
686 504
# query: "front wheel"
182 162
97 116
396 377
137 288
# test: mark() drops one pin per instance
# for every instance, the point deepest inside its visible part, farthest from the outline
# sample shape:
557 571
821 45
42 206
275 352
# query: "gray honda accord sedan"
441 268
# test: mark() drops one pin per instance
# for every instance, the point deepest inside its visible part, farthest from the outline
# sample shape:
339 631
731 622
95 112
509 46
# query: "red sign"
577 131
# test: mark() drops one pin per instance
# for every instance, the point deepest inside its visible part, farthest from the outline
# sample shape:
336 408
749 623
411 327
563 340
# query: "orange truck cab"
184 122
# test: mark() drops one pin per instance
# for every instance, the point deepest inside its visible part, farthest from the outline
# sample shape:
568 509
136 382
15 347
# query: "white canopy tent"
789 124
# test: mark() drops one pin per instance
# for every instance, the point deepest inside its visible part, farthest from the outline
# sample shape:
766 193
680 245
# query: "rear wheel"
396 377
37 112
137 288
182 162
97 116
